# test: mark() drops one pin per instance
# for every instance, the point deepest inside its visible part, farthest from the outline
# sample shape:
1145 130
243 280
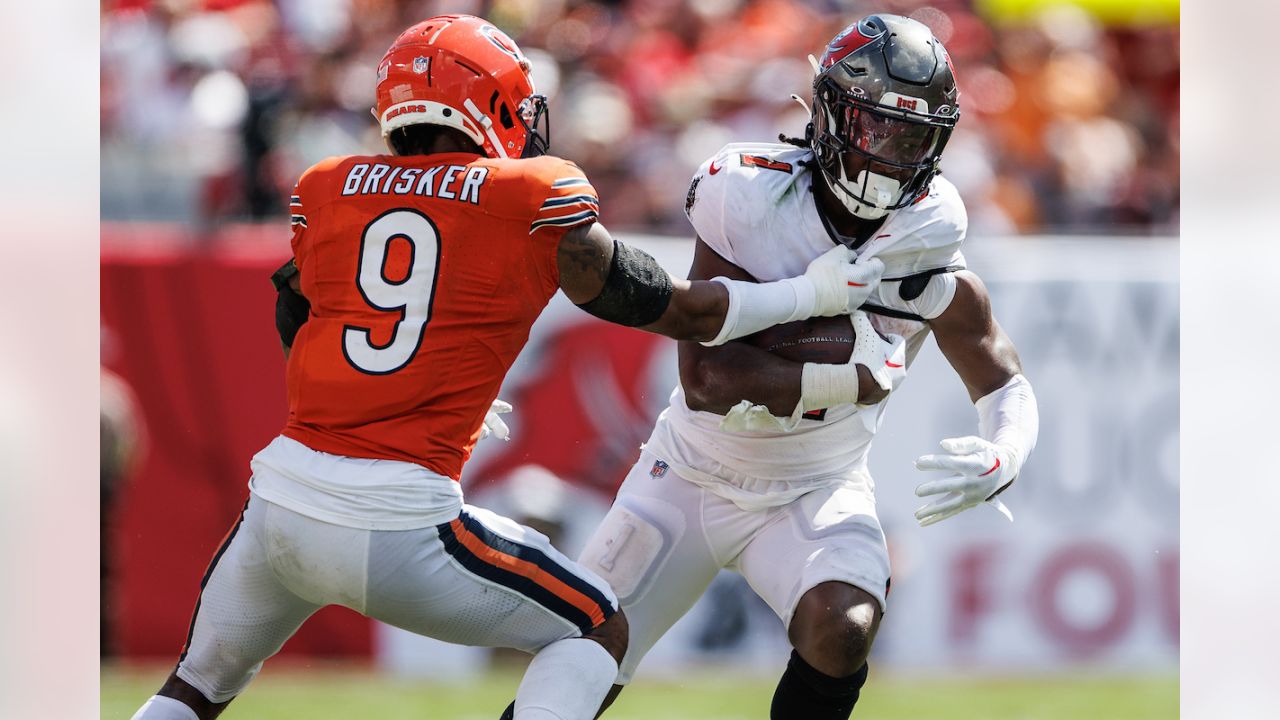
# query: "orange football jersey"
424 276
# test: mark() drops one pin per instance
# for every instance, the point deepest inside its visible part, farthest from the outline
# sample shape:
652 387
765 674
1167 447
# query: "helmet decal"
842 45
505 44
905 102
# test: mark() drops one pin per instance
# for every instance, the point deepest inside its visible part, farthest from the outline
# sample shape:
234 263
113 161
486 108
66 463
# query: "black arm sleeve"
636 291
292 309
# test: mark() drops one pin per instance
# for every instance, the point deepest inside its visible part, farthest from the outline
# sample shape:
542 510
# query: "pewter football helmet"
884 106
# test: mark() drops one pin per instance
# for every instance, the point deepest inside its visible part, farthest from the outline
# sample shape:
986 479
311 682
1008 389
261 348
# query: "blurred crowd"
212 108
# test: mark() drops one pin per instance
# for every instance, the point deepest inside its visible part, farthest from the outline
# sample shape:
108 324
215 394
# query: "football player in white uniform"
760 463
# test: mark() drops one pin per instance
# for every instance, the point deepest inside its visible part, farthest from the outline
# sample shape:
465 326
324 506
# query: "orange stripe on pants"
524 568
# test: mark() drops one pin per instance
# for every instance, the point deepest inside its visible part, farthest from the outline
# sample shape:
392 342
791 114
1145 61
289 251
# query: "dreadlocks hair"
812 163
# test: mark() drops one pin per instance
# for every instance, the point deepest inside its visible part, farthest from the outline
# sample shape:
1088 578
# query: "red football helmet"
463 73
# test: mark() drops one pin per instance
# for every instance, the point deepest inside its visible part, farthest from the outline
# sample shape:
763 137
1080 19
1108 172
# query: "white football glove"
981 473
885 357
493 424
841 284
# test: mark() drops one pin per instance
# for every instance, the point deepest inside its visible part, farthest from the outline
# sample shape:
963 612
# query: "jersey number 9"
411 296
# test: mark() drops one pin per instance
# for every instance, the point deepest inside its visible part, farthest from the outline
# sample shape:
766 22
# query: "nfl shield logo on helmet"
659 469
420 64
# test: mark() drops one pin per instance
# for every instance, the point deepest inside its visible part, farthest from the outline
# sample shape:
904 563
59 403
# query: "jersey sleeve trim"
296 216
571 182
577 218
570 201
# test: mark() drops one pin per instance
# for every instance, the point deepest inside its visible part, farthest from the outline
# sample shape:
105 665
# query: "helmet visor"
893 140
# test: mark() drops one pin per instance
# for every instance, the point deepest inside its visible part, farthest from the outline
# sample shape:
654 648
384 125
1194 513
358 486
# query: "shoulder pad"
551 191
321 173
925 236
315 185
733 189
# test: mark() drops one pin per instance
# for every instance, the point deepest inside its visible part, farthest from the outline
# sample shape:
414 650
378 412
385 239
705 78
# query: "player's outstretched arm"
623 285
713 378
1008 420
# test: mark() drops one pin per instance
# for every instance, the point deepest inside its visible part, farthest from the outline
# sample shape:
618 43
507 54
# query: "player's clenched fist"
841 284
981 470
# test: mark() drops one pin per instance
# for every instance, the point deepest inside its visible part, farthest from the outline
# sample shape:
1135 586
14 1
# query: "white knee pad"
632 543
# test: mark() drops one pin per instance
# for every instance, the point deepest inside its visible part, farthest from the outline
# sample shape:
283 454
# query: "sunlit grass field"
333 693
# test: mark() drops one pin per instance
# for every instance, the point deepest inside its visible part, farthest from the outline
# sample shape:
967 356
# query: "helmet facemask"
875 158
536 118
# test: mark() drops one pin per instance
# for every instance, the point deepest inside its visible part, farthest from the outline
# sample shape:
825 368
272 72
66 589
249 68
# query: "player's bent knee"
833 627
612 634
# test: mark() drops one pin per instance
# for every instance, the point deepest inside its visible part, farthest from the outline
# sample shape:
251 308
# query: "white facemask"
881 191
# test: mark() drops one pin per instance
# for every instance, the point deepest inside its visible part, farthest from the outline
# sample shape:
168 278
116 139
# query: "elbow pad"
292 309
636 292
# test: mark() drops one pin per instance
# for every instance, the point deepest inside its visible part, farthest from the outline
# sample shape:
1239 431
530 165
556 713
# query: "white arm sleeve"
756 306
937 296
1009 418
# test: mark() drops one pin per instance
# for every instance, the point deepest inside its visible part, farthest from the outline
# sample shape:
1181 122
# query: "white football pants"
666 538
480 579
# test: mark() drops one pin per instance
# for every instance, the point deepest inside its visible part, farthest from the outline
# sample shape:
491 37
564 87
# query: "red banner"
191 329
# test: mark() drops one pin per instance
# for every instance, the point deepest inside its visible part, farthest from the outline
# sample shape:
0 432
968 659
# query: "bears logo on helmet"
505 44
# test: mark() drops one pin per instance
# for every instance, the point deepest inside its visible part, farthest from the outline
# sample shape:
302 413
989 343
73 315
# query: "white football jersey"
752 203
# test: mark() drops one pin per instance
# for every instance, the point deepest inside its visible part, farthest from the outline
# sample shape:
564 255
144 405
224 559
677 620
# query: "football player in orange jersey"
416 277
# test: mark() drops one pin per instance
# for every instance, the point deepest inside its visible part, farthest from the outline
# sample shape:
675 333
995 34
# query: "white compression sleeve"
160 707
567 680
756 306
1009 418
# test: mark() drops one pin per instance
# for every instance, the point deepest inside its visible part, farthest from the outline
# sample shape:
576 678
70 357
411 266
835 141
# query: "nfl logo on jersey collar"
659 469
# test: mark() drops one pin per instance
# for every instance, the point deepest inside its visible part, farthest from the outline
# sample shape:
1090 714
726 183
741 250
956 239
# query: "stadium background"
210 110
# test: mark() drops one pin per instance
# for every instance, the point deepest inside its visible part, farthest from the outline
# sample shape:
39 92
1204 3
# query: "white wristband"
756 306
823 386
1010 418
